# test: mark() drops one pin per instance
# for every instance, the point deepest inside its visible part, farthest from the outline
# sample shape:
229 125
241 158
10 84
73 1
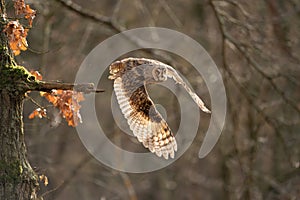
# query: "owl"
131 77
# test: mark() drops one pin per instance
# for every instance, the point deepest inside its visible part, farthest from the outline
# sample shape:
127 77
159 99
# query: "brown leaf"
29 14
19 6
67 101
37 75
16 36
44 178
40 113
22 9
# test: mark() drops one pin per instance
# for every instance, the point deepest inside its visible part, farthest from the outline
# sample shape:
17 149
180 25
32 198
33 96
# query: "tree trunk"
17 179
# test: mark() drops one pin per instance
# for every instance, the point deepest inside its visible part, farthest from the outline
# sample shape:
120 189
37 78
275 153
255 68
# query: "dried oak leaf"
37 75
19 6
22 9
29 14
40 113
67 101
16 36
44 178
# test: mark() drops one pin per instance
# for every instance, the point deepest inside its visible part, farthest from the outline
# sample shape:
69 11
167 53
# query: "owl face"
159 73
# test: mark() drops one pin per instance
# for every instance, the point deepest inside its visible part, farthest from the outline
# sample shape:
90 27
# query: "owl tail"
171 73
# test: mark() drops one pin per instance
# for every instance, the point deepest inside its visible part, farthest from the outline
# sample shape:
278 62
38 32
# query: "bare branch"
91 15
116 9
111 23
235 4
48 86
171 13
2 7
235 21
129 186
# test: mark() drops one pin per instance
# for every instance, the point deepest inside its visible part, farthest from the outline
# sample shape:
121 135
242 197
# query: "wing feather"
148 126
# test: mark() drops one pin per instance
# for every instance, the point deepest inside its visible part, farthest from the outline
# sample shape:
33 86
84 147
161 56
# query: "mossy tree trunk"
17 179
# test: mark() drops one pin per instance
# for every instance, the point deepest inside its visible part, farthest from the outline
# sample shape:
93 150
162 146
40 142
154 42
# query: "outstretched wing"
143 119
171 73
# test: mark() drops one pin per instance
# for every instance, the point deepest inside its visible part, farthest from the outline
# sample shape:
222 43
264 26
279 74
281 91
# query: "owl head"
159 73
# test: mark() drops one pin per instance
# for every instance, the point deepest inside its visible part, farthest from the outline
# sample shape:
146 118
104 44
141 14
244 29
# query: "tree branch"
113 25
2 7
91 15
48 86
129 186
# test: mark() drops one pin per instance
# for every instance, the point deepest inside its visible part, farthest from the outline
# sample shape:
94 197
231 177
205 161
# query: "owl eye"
157 72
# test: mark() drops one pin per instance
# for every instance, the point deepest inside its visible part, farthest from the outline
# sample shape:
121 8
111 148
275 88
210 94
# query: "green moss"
10 172
13 75
3 48
21 169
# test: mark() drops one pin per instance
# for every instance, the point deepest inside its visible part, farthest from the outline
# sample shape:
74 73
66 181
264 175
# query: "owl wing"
143 119
171 73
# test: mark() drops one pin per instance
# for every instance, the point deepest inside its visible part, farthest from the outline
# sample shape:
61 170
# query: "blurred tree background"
256 46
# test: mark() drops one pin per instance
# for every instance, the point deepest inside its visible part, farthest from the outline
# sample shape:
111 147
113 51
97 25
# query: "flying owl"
131 76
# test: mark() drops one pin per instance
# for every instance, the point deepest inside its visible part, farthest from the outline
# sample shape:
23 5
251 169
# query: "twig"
235 21
90 14
46 40
37 104
170 12
273 183
34 102
52 190
2 7
145 12
128 185
116 9
235 4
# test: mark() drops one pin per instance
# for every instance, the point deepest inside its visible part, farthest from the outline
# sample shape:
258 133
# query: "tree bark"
17 179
